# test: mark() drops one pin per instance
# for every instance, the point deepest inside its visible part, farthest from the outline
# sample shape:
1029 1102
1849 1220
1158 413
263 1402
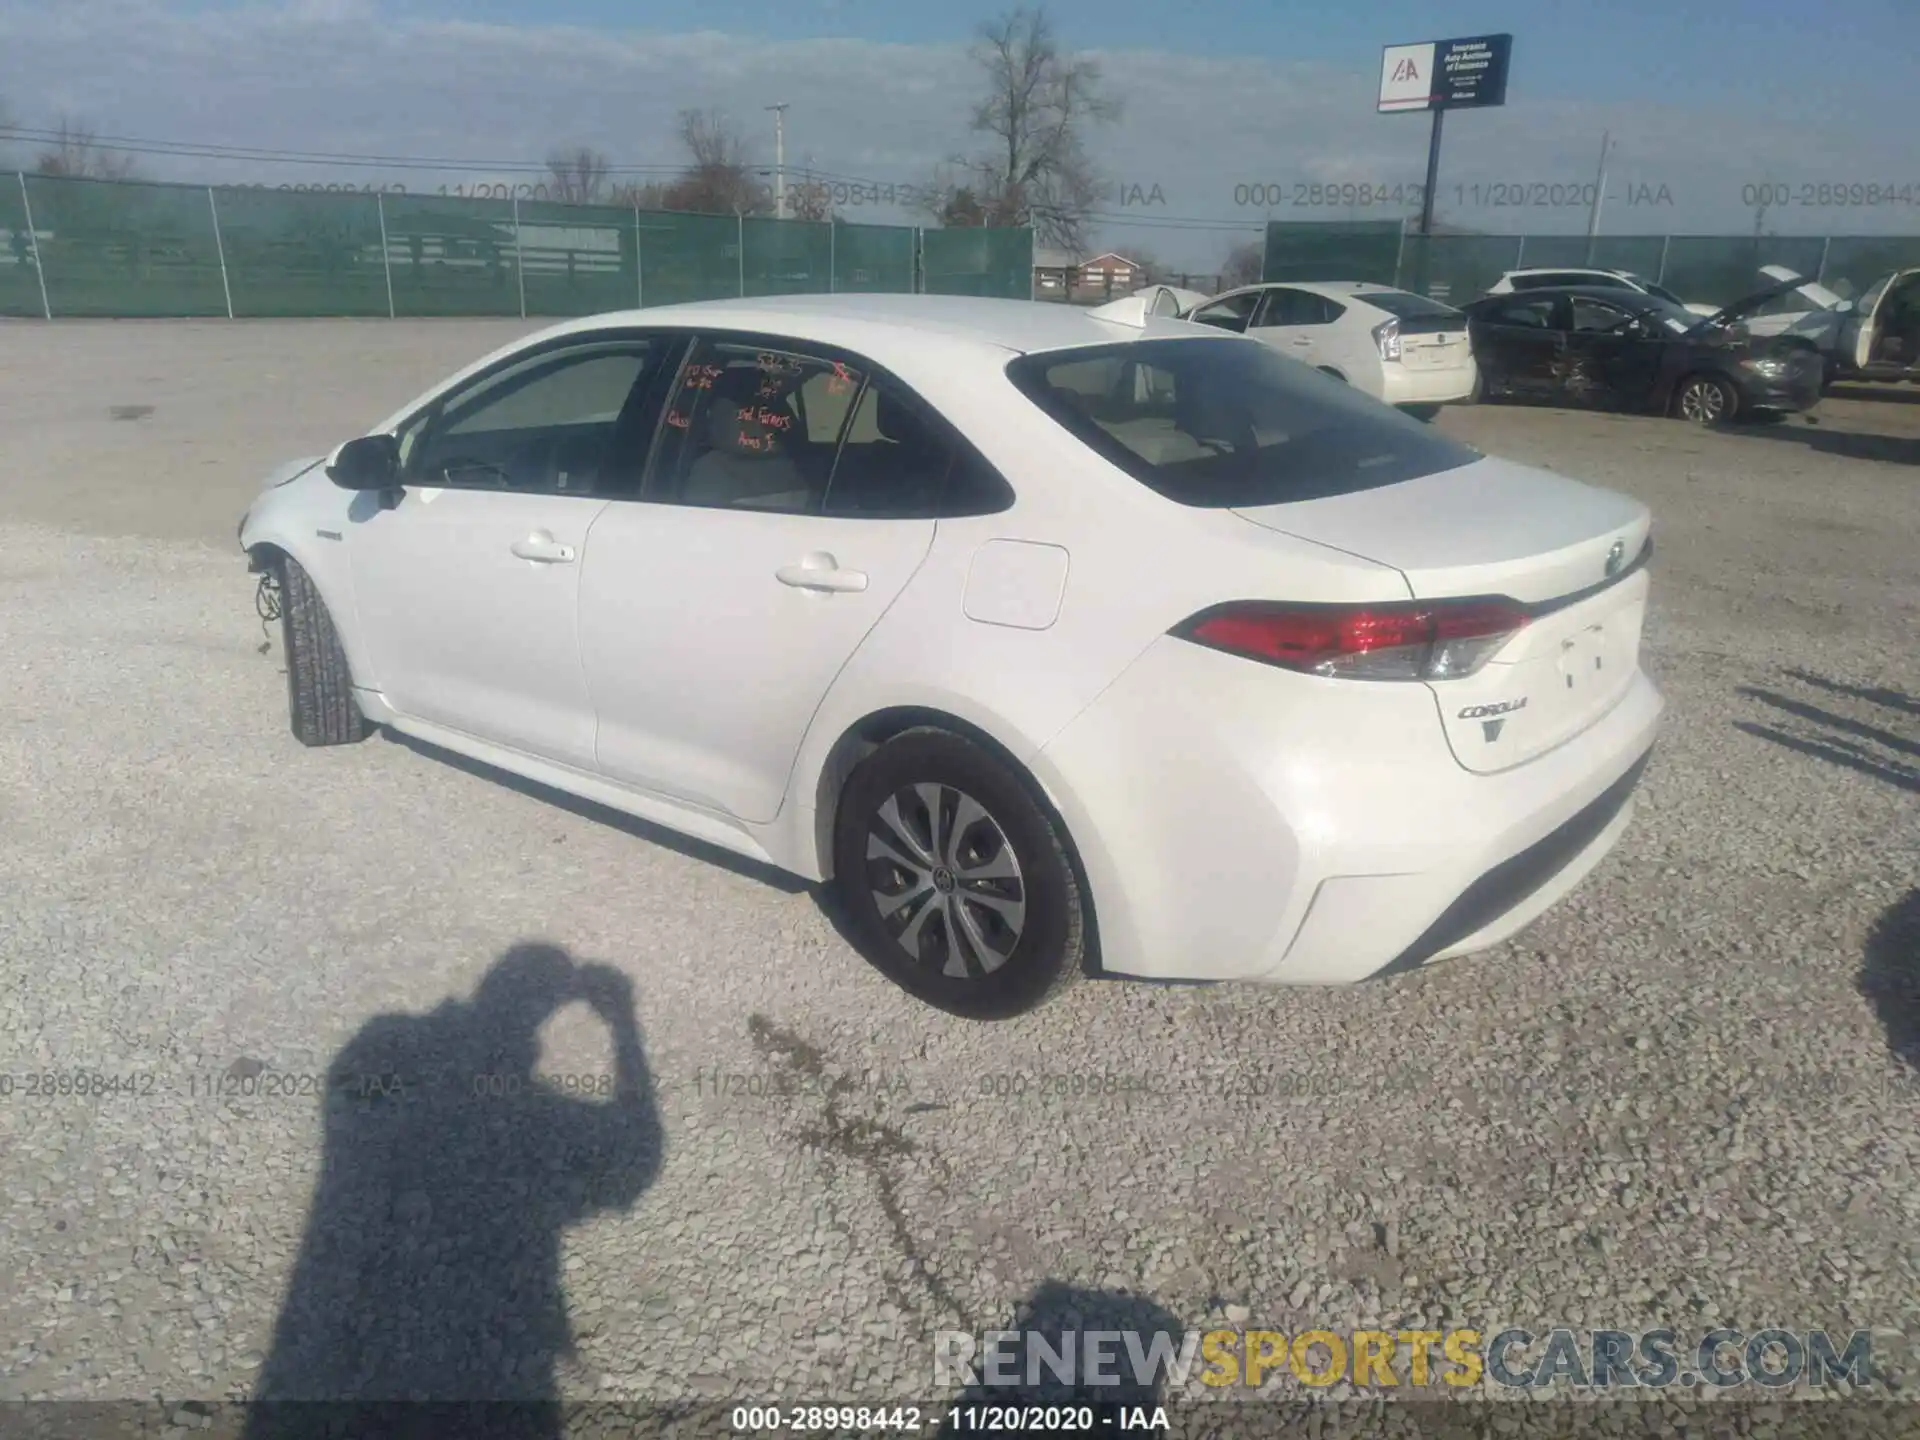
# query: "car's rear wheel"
319 685
1422 412
1705 400
953 879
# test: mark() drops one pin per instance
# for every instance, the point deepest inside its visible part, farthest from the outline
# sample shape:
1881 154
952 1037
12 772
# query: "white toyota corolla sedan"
1055 641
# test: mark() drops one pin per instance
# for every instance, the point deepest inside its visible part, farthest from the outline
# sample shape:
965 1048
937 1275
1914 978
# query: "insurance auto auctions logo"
1512 1358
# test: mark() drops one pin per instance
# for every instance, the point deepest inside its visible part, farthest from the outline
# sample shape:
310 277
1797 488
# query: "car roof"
1361 288
1016 326
1609 293
1571 270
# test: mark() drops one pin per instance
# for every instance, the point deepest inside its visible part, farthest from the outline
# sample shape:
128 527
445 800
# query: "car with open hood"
1623 349
1876 336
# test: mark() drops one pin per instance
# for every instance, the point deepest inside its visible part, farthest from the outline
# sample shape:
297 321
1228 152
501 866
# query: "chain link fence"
124 249
1705 269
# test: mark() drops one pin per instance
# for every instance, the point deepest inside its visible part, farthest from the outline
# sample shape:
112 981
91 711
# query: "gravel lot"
1679 1100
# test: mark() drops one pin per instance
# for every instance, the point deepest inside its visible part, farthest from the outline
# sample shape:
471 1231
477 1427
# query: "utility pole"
1599 193
779 159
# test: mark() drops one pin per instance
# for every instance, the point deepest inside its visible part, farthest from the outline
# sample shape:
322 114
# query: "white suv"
1396 346
1543 279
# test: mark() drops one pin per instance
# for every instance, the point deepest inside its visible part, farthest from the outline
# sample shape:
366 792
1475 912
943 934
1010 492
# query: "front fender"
305 517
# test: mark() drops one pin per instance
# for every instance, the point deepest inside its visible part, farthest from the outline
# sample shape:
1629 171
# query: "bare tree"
1034 169
1243 264
719 180
809 200
75 154
576 174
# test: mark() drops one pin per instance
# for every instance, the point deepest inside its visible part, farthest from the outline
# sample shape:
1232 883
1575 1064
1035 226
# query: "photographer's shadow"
430 1269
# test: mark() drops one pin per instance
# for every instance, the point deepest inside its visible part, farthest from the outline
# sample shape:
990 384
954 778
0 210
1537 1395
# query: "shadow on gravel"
1856 745
430 1269
606 815
1851 444
1885 394
1890 978
1061 1318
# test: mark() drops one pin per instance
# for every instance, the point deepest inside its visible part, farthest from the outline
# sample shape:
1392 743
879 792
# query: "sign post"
1438 76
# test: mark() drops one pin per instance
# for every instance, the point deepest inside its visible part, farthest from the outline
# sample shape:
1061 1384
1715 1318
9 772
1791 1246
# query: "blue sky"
1842 53
1704 100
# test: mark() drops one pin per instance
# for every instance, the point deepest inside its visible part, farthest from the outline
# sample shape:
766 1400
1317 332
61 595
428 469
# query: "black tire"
319 686
1009 966
1332 374
1710 411
1428 413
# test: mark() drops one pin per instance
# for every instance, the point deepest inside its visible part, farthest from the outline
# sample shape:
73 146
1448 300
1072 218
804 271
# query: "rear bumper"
1401 386
1520 888
1240 822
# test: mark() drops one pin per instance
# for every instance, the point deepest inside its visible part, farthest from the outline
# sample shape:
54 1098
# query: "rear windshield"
1226 423
1408 306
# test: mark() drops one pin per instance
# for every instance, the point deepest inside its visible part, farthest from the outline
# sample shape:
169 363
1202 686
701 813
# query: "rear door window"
1225 424
1231 313
1533 313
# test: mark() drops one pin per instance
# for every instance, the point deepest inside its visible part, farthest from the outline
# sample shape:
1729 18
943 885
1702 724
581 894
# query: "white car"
1053 643
1855 338
1392 344
1551 279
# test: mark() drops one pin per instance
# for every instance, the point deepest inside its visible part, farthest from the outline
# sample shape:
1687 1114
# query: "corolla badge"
1616 556
1490 729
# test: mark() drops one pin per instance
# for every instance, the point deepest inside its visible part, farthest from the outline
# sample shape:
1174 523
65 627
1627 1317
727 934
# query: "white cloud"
334 75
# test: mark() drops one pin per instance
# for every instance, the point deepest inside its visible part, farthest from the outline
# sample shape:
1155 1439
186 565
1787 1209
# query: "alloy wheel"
945 880
1702 402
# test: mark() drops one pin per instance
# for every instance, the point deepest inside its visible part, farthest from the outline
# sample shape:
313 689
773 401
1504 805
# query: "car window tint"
823 403
899 461
1406 305
1290 307
1228 314
1220 423
739 432
1532 314
545 423
1590 315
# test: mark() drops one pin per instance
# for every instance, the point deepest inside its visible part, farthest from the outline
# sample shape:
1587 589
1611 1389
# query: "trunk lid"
1569 552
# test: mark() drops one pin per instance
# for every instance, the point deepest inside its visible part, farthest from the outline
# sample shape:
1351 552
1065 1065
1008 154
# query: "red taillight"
1416 640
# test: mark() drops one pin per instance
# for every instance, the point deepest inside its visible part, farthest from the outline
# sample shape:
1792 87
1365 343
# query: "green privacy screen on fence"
117 249
1706 269
978 262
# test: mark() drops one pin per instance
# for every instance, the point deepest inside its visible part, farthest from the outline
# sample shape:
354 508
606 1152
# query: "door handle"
543 549
822 573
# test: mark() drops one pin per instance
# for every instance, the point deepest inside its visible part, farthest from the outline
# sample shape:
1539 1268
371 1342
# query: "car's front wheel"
1706 400
954 881
319 685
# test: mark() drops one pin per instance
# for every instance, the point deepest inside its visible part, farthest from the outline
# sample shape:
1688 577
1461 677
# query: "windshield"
1407 305
1228 423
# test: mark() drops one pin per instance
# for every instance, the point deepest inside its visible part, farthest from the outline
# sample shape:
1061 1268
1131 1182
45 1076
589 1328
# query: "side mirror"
370 463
